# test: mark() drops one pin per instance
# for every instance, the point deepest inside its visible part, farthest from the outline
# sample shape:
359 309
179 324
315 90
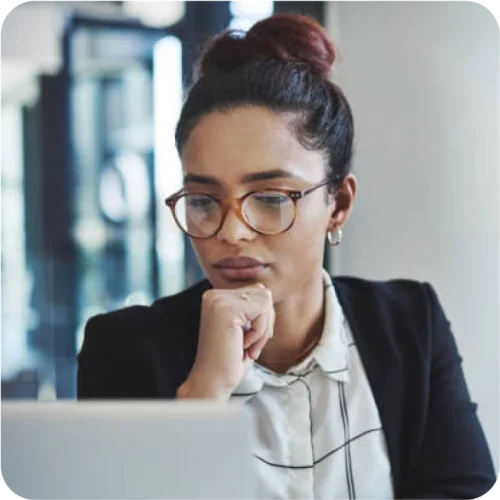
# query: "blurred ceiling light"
253 9
158 14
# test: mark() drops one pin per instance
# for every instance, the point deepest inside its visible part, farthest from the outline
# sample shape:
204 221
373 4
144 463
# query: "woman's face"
222 153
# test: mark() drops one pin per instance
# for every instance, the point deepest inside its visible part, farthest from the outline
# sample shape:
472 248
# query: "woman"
356 385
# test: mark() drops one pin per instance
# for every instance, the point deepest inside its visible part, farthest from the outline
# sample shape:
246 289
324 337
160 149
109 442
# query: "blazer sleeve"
111 363
454 460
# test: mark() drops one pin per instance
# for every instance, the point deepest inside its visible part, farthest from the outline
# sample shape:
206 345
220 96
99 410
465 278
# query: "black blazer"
436 446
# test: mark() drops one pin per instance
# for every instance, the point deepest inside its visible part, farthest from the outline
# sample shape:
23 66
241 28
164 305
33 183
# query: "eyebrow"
200 179
277 173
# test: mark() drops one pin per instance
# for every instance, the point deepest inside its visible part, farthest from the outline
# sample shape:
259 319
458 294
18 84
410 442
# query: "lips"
238 263
240 268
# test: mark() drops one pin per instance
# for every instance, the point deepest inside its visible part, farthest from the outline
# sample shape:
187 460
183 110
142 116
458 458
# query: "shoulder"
140 351
174 313
398 309
393 293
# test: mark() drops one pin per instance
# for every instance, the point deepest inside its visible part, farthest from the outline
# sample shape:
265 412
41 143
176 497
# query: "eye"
202 202
271 199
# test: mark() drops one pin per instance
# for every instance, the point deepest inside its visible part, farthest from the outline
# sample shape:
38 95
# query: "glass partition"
85 169
126 94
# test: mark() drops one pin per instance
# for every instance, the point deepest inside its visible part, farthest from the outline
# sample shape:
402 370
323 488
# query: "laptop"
124 450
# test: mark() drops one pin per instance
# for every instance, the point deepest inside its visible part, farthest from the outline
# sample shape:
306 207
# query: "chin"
232 284
219 281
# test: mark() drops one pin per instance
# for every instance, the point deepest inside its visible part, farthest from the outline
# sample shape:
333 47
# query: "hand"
234 327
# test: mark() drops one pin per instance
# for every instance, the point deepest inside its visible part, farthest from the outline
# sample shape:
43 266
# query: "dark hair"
282 63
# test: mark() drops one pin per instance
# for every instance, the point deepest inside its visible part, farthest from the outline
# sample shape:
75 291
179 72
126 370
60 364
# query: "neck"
298 326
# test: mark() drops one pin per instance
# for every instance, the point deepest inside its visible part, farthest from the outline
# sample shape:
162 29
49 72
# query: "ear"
342 203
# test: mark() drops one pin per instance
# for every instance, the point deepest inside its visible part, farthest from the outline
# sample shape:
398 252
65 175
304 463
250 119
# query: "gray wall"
423 81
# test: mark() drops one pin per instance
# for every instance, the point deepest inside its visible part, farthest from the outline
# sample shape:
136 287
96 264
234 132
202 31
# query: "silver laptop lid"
167 449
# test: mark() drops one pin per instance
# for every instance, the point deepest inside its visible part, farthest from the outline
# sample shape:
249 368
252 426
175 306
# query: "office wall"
422 78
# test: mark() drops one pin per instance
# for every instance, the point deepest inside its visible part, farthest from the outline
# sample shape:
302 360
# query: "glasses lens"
199 215
269 212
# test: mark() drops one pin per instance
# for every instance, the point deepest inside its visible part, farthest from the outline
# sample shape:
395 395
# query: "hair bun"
285 37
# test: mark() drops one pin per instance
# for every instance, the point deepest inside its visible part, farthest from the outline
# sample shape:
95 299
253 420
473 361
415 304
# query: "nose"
234 230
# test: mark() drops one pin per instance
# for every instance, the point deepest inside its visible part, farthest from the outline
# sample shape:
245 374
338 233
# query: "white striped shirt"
319 433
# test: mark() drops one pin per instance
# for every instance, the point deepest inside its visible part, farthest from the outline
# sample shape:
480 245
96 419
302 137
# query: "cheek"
201 249
304 242
310 226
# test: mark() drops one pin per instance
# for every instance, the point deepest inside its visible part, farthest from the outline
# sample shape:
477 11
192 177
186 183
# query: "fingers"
254 351
258 329
248 309
264 324
272 318
251 337
256 340
253 303
231 319
243 305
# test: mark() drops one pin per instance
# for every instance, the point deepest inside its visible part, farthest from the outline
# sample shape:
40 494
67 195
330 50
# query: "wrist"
193 389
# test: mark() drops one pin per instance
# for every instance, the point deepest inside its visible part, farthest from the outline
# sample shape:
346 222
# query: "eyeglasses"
270 211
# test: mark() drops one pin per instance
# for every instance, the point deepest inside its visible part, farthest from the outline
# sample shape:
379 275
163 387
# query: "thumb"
247 363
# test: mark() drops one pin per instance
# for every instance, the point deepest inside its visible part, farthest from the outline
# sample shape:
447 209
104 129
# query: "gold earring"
333 242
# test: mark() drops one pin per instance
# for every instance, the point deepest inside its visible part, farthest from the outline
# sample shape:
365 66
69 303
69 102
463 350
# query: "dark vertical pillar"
202 21
312 9
51 250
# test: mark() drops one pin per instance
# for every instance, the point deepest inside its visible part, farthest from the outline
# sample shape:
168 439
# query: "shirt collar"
331 353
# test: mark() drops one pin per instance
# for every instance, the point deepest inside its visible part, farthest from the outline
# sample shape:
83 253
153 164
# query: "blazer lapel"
381 359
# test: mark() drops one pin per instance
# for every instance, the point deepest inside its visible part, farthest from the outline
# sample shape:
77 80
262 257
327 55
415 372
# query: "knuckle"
225 309
235 324
213 298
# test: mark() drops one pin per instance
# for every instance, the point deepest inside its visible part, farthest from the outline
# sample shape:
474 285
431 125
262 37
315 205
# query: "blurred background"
91 92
